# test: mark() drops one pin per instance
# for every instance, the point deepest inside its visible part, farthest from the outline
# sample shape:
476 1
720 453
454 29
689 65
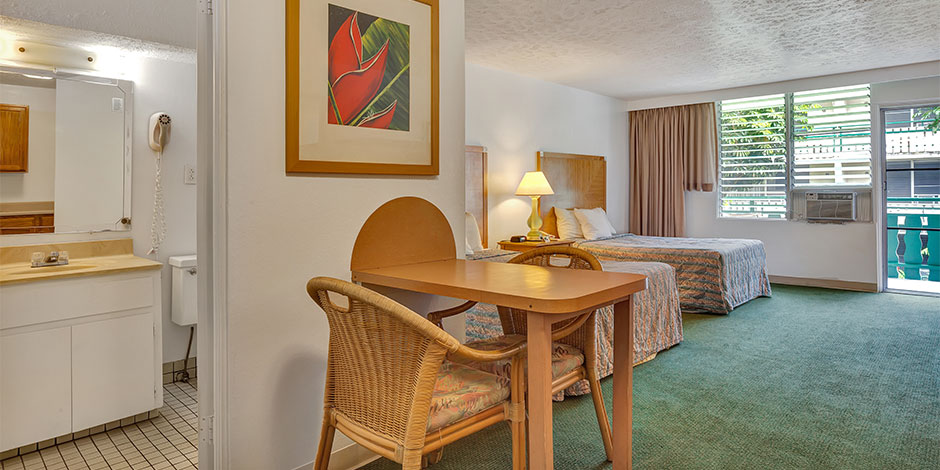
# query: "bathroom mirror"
65 164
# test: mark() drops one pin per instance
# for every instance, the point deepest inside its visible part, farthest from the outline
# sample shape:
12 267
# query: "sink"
51 269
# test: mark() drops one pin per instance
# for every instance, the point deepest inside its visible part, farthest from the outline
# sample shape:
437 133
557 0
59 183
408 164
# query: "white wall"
170 87
283 230
38 183
515 116
844 252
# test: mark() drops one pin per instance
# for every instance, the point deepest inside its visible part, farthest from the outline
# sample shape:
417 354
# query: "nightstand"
526 246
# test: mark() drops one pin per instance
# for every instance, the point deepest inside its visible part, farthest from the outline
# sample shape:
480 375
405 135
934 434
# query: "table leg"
623 385
540 391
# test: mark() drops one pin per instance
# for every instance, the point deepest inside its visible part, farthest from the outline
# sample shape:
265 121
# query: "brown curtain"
671 150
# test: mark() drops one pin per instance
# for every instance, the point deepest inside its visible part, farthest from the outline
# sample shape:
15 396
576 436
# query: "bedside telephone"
522 238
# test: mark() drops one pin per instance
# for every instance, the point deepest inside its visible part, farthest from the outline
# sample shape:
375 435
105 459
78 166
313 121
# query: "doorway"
912 198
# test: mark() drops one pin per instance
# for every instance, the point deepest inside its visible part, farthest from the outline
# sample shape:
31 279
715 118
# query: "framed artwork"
362 86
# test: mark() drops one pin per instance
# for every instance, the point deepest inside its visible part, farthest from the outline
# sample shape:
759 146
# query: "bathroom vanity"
80 344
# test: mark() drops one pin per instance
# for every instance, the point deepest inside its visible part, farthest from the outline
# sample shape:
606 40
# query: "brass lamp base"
535 222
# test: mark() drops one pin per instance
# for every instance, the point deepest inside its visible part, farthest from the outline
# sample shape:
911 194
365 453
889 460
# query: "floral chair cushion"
565 358
461 392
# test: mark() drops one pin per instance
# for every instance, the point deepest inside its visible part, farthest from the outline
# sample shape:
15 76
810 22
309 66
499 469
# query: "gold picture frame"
315 141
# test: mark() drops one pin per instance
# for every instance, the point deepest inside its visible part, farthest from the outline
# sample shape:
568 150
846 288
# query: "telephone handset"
159 130
159 136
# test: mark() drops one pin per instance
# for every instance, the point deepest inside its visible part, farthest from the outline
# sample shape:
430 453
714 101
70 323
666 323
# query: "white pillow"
473 233
568 226
613 231
594 223
469 250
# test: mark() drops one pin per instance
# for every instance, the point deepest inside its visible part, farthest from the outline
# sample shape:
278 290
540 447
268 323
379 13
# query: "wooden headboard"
475 187
578 181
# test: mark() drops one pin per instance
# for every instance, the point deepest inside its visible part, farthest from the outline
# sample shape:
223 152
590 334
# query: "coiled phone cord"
158 224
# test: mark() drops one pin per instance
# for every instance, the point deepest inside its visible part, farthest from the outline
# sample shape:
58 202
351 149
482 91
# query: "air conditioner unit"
830 206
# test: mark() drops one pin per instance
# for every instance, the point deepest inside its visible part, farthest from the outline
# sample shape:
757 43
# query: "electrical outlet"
189 174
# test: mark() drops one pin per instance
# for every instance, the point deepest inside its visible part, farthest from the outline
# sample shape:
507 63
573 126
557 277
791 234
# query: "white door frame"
211 235
881 206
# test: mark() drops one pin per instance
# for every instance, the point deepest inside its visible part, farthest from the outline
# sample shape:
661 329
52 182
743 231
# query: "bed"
656 313
657 316
713 275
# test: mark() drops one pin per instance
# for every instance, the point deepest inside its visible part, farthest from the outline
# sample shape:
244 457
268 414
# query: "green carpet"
810 378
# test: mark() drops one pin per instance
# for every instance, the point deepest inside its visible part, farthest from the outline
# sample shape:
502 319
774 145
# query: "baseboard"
350 457
825 283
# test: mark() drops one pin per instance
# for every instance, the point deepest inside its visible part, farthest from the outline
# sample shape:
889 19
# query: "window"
913 160
772 144
753 172
900 182
898 119
832 137
926 178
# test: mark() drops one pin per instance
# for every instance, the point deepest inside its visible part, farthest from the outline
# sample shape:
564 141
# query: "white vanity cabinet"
77 353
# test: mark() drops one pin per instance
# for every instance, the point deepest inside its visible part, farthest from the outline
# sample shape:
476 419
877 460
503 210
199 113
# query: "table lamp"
534 185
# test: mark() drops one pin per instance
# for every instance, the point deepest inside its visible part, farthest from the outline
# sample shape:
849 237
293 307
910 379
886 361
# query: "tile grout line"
108 436
182 400
165 437
165 457
147 438
177 412
134 443
80 451
43 457
92 439
176 395
79 454
59 451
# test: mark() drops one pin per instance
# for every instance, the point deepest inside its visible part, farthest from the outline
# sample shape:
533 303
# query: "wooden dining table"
549 295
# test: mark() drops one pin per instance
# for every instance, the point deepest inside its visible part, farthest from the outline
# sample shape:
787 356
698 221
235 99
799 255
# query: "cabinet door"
35 387
112 370
14 138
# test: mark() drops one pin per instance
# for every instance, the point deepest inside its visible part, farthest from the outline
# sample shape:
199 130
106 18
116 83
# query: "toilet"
184 290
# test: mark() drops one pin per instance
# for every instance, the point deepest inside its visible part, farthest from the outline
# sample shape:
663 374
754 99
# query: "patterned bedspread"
657 318
713 274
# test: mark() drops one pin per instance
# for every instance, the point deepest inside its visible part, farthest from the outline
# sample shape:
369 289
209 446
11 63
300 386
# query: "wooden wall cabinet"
32 223
14 138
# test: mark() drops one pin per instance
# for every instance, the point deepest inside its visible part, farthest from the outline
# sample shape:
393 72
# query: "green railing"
914 238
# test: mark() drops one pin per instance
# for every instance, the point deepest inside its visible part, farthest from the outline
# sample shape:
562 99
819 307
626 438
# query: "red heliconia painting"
368 71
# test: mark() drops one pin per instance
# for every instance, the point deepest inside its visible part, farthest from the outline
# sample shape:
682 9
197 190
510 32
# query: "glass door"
912 198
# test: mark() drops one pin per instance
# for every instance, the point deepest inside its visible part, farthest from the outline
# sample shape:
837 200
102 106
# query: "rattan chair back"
514 320
383 361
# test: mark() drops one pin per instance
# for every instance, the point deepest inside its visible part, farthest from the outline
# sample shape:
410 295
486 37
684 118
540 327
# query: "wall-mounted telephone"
159 130
159 136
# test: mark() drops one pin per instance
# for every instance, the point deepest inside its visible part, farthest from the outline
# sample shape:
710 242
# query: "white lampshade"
534 184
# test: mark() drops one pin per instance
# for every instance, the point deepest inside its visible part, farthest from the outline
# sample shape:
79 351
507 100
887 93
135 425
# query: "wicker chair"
574 349
389 387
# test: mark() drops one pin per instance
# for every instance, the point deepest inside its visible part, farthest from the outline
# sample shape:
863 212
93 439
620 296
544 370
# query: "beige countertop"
14 273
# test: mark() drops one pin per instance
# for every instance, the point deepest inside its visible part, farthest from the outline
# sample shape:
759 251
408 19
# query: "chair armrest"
436 317
466 352
570 327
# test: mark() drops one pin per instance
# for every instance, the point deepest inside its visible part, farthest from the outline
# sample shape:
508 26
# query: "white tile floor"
167 442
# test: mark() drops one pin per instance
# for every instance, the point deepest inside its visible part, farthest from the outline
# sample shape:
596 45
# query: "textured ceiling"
19 29
170 22
644 48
